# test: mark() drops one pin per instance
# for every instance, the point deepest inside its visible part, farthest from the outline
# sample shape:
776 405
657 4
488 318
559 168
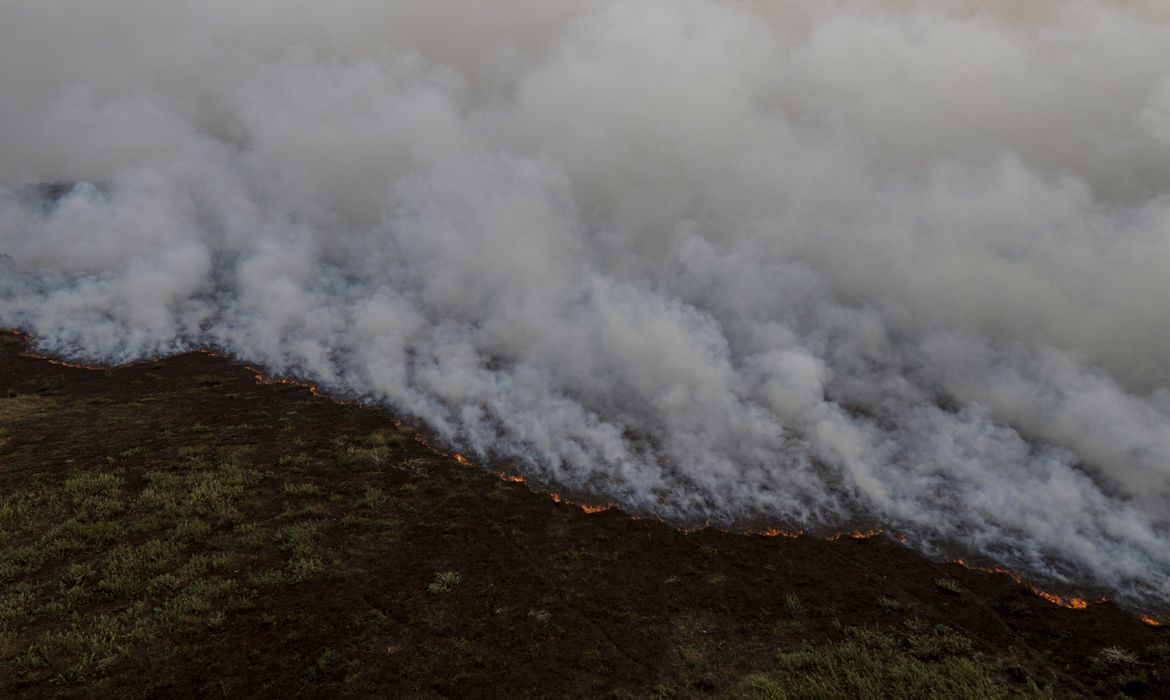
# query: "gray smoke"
797 263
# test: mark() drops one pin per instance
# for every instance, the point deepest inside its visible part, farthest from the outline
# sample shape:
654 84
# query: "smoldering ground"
797 263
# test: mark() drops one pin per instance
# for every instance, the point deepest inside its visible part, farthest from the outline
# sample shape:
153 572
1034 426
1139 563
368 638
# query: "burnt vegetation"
174 528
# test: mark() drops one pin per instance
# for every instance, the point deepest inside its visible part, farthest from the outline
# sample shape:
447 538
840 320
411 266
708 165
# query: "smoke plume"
798 263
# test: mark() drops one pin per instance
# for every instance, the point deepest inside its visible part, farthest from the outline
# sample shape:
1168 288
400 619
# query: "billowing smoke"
797 263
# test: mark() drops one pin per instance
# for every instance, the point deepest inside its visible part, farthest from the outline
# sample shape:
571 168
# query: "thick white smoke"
800 263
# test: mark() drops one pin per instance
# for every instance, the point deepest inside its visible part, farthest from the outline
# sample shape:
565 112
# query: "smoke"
794 263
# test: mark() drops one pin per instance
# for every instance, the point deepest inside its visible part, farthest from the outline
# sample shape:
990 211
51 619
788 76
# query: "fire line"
1070 602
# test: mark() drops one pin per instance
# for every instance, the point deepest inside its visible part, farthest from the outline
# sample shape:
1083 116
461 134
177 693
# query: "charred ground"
175 529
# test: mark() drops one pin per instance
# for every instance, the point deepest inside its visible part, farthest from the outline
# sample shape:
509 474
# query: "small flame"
261 379
777 532
586 507
1151 621
857 535
62 363
1070 602
461 459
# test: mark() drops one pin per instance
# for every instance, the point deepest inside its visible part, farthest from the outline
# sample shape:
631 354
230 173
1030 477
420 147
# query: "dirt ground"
176 529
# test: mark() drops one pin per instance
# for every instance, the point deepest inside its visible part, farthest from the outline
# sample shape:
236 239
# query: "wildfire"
62 363
856 535
261 379
1071 602
586 507
777 532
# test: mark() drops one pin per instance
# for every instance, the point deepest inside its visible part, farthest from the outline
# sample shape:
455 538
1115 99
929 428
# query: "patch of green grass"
96 571
214 494
925 642
879 664
948 585
793 605
303 489
300 459
444 581
129 568
24 407
372 498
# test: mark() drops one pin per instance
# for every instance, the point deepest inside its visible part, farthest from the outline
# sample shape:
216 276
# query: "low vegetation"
872 662
173 529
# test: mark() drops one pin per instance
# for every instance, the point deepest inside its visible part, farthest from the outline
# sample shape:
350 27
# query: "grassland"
175 529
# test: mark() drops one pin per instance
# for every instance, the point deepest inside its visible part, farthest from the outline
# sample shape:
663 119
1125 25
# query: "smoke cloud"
794 263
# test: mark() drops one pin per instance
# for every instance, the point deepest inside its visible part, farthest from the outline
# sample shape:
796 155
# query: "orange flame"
856 535
586 507
1071 602
1150 621
261 379
777 532
61 363
462 460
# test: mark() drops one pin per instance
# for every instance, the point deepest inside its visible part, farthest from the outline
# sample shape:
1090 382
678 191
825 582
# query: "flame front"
1071 602
586 507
